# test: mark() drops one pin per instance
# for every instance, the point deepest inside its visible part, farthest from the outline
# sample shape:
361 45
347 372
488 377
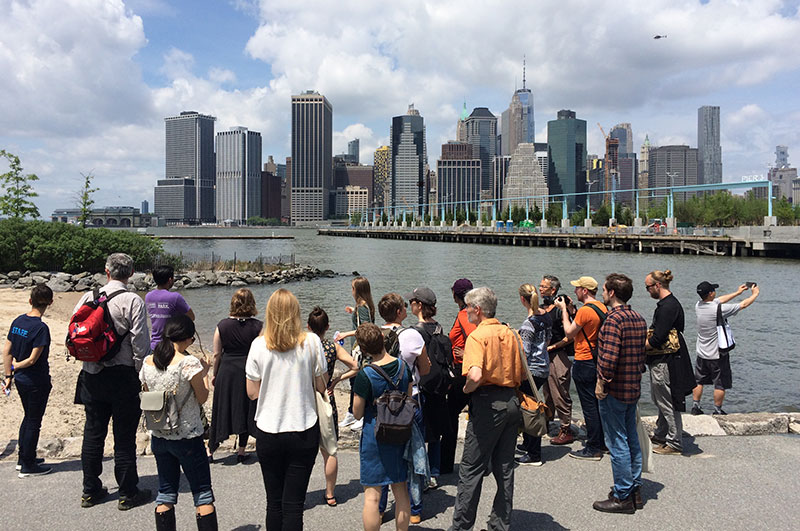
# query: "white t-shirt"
286 399
411 345
706 345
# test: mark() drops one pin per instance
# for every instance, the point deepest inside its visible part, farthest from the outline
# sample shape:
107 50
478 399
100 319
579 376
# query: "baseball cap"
422 294
461 286
585 282
705 287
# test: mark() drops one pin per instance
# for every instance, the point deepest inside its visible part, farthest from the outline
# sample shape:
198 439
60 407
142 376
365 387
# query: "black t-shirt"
27 333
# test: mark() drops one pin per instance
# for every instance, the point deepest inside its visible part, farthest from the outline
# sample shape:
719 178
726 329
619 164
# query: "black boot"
165 521
207 522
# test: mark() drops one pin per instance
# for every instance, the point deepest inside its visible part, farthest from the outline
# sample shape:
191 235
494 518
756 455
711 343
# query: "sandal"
331 502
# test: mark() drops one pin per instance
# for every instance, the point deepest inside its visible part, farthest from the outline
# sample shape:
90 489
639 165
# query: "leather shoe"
615 505
564 437
666 450
638 502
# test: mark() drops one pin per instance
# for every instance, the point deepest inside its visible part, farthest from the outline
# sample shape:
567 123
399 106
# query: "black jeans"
532 445
112 394
584 374
34 402
286 461
456 401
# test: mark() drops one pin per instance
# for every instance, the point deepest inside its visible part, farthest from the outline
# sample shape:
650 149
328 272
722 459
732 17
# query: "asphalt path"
723 482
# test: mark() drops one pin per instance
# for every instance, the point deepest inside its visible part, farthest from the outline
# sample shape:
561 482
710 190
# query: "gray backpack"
395 410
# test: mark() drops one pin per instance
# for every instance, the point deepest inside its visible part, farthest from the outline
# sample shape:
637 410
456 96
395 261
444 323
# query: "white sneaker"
357 425
348 420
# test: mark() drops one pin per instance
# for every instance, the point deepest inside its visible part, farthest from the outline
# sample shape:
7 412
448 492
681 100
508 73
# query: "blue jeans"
584 374
622 440
189 454
414 494
34 402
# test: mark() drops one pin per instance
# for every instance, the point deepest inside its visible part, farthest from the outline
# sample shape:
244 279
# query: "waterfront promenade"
723 483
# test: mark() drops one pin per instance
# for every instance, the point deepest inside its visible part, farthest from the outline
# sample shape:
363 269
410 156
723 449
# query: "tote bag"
327 431
534 410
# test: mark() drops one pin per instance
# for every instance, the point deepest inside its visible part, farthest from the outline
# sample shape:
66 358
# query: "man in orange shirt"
456 399
584 330
493 367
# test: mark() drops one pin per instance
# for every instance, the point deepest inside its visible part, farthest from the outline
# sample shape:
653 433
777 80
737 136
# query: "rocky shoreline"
65 282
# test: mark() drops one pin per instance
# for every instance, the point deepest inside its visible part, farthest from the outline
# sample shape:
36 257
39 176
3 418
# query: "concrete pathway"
724 483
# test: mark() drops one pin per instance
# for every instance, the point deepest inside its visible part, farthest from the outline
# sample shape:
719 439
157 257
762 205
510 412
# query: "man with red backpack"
109 388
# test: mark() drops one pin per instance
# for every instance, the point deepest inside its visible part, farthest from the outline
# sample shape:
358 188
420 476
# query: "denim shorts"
189 454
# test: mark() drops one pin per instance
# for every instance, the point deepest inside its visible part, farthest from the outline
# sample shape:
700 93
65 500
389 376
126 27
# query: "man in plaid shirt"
620 364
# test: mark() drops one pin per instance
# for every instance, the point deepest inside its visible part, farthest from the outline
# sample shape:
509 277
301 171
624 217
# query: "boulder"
59 285
43 274
210 276
239 283
84 284
82 274
38 279
194 284
178 285
24 282
14 275
50 447
753 423
66 277
253 280
71 447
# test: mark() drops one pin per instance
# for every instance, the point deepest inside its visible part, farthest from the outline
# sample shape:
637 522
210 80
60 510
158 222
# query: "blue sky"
87 83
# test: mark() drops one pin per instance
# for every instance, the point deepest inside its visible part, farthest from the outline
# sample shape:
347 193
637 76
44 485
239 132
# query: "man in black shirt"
556 391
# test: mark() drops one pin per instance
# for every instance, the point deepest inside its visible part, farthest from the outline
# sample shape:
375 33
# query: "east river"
765 362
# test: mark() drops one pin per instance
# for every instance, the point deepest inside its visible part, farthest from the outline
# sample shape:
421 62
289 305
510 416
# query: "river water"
765 363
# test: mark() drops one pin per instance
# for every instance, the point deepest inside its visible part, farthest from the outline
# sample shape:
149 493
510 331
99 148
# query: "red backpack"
91 335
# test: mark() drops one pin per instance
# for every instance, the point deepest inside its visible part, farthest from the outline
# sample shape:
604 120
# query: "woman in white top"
171 369
285 367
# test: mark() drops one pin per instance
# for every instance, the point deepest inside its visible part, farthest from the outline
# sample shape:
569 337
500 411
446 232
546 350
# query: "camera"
750 285
564 298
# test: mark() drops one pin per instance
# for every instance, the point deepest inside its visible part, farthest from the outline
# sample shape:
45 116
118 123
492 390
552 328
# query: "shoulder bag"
670 346
534 410
327 431
725 341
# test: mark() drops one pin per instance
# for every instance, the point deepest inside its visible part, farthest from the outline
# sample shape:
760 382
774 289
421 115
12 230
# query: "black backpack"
440 353
395 410
391 341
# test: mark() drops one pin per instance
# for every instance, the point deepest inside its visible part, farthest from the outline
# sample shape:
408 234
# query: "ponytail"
163 354
178 328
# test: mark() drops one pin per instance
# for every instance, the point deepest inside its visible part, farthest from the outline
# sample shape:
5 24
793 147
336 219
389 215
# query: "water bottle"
335 338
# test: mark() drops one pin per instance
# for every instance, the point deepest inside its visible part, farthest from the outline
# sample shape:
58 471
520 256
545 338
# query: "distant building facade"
500 165
709 150
351 200
644 171
353 151
525 178
673 166
482 134
312 157
566 139
238 194
382 180
271 191
112 216
517 123
190 162
458 175
408 159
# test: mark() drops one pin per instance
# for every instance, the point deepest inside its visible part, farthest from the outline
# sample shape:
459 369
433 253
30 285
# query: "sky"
85 85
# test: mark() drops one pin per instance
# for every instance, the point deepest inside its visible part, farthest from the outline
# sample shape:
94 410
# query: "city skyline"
143 67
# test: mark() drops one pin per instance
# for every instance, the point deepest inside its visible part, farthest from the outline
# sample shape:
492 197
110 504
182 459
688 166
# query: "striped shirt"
620 358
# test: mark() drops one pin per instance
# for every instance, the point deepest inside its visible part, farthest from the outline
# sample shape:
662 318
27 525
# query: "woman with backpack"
362 312
435 384
172 370
381 463
285 367
318 323
535 334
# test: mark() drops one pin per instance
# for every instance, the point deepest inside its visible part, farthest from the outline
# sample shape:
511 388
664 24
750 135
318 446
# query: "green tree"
553 214
624 216
85 200
783 211
517 214
578 217
16 201
355 218
537 213
602 215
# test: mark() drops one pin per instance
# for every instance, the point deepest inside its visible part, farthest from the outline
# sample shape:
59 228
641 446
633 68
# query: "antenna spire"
523 72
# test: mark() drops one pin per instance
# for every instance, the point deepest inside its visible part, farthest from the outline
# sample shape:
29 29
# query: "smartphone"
3 383
750 285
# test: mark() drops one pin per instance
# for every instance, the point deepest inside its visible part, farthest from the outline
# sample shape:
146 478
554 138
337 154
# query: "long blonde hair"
283 329
528 292
362 293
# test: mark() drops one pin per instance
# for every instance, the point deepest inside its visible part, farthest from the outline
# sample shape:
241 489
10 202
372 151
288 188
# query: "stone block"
84 284
753 423
25 282
701 425
794 427
71 447
142 443
194 284
50 447
66 277
38 279
239 283
14 275
81 275
59 286
43 274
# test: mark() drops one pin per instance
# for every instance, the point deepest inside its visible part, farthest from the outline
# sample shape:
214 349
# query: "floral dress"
329 348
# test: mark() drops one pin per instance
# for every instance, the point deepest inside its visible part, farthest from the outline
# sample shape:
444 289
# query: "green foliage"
783 211
553 214
355 218
16 201
601 216
517 215
657 210
578 217
537 213
85 200
263 222
624 216
39 245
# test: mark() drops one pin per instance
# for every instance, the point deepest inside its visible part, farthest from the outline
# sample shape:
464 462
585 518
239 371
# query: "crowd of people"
266 376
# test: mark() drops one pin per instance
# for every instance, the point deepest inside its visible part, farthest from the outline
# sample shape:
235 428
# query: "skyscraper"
190 159
644 170
409 157
382 165
238 175
673 166
566 139
482 134
461 125
709 151
312 157
624 134
525 178
458 175
627 170
353 151
517 121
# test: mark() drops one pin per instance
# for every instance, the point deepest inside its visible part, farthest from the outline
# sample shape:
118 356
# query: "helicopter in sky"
660 37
